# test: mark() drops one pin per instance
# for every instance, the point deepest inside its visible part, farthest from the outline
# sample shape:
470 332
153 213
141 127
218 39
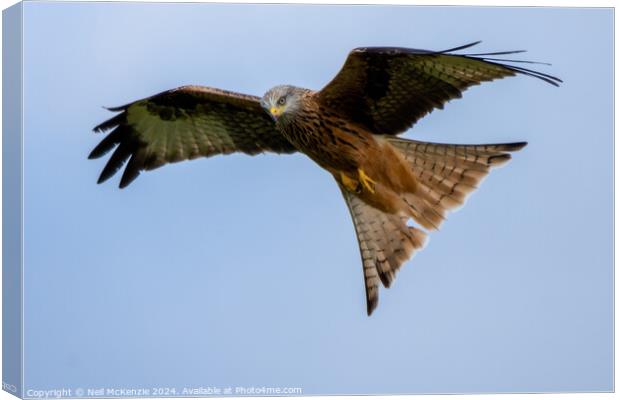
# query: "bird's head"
282 102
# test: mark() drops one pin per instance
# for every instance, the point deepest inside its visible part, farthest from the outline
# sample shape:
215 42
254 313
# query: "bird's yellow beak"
275 112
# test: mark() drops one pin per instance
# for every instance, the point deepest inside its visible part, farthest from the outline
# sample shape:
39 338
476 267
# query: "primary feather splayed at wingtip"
183 124
388 89
110 123
553 80
109 142
462 47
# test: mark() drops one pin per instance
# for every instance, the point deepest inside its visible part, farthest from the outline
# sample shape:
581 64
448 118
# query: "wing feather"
184 124
387 89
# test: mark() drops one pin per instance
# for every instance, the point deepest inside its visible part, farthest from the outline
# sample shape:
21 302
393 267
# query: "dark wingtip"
550 79
117 109
100 151
110 123
498 53
99 128
553 80
127 178
108 143
117 160
465 46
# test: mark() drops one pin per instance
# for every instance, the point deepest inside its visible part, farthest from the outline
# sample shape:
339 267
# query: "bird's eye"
281 101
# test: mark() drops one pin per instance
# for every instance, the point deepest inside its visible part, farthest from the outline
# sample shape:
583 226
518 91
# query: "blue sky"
244 271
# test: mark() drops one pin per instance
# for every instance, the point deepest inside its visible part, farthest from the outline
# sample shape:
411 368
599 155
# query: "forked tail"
446 174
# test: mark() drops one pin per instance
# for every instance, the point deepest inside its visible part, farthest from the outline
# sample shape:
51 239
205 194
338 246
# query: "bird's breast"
329 142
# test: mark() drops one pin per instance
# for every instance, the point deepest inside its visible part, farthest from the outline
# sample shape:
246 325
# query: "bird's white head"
282 102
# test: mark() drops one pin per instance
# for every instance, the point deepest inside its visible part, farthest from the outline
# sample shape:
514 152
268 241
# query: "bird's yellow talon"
350 184
366 181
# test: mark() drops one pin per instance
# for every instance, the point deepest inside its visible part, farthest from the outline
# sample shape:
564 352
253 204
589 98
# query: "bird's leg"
351 184
366 181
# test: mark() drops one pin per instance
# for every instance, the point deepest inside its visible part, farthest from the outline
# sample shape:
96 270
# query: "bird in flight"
349 128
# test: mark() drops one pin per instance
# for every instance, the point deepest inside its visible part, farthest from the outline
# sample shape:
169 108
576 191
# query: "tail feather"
448 173
445 174
385 243
424 212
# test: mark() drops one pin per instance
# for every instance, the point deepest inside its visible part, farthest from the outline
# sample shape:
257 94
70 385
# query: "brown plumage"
348 128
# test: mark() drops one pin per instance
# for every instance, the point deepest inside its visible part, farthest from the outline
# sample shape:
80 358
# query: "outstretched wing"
183 124
387 89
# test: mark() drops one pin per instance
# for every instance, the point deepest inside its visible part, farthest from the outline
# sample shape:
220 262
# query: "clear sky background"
245 271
